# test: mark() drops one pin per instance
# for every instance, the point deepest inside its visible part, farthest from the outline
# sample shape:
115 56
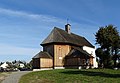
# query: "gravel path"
14 77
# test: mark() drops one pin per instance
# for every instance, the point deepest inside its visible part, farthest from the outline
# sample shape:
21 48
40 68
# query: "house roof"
78 52
42 55
58 35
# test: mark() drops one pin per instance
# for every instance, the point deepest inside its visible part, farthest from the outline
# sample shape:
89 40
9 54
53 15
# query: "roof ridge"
48 36
60 33
78 35
89 42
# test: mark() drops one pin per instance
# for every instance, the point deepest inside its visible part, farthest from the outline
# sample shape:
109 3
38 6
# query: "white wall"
92 52
4 65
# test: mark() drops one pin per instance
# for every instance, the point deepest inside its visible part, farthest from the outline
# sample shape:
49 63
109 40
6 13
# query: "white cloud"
49 19
46 18
6 49
40 17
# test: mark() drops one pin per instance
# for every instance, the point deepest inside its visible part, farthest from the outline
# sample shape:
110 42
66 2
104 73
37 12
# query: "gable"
78 52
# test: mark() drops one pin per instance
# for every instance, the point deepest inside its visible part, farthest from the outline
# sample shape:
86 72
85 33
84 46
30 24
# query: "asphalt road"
14 77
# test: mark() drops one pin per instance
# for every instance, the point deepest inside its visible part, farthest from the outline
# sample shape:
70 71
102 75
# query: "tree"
104 58
109 40
99 53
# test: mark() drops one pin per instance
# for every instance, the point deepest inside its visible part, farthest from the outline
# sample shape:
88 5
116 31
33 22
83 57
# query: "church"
64 49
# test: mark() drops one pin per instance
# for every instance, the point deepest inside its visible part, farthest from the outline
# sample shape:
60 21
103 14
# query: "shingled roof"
61 36
78 52
42 55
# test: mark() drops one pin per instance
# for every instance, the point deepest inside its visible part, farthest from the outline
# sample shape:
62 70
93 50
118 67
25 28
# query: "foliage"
107 36
14 65
104 58
73 76
109 40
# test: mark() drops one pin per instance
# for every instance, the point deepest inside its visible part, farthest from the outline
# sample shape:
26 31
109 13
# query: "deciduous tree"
109 40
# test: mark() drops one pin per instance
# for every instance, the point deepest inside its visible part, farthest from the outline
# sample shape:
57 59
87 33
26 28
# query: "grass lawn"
73 76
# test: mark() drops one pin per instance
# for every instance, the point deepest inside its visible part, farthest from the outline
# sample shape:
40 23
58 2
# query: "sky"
24 24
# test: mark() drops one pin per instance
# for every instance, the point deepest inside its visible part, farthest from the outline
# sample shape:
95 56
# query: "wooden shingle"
61 36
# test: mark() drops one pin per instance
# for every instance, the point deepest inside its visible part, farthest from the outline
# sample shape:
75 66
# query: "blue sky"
24 24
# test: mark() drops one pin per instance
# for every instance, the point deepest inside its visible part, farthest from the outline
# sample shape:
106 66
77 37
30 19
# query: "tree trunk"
115 58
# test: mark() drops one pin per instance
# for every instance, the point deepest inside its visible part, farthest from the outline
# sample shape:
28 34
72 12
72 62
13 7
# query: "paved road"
14 77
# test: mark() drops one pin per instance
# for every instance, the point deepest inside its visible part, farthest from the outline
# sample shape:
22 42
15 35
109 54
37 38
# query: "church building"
64 49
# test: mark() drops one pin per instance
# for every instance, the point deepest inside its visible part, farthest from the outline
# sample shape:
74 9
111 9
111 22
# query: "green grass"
73 76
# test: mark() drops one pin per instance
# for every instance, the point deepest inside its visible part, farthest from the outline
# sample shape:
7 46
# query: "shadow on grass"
92 73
